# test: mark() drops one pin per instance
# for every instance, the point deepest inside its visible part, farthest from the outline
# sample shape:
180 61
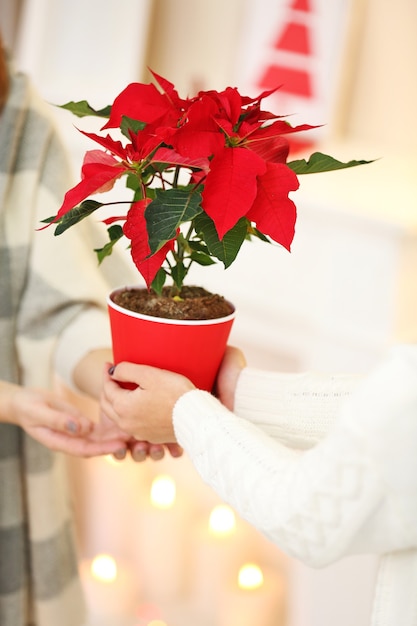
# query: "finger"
174 449
60 416
156 451
139 450
106 428
120 407
78 446
234 356
138 374
63 415
125 372
107 411
113 389
120 454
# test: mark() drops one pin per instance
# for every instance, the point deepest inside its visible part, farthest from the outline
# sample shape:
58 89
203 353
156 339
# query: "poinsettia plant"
206 173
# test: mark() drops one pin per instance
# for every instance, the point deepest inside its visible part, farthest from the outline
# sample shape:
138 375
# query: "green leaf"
201 258
76 214
128 124
167 212
132 182
48 220
178 273
115 233
159 281
226 249
83 109
254 232
319 162
198 246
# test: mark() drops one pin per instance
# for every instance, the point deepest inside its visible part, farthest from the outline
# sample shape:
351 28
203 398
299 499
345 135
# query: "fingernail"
111 370
71 426
139 455
120 454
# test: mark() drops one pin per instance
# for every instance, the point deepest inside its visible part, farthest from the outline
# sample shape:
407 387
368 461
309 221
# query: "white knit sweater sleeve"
355 491
297 409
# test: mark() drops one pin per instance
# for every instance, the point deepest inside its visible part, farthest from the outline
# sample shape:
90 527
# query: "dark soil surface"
194 303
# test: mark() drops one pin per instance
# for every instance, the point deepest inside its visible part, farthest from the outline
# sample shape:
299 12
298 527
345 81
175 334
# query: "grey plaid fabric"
38 567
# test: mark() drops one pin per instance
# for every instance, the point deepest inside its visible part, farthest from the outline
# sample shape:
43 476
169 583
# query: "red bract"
170 92
135 230
143 103
228 103
267 141
99 172
231 186
272 211
200 135
114 147
169 157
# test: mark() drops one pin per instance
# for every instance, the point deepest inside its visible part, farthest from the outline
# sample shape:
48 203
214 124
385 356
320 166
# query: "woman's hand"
53 422
144 412
88 378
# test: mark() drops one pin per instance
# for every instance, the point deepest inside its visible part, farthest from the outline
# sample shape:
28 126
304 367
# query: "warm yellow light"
104 568
157 622
250 576
111 460
222 520
163 492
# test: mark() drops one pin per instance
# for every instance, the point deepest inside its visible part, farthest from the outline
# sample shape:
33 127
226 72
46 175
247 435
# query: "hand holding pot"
145 412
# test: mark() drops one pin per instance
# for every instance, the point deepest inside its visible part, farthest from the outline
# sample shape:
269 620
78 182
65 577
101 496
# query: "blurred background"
344 294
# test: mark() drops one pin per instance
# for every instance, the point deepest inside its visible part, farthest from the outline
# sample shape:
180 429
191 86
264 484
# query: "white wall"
194 43
79 49
381 95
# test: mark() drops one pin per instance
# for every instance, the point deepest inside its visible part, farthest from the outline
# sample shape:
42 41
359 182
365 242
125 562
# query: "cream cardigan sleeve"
353 491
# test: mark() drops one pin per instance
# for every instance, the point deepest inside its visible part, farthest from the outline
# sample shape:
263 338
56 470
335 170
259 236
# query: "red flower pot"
193 348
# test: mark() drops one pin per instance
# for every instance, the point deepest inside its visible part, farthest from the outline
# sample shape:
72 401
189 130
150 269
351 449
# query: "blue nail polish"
71 427
139 455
